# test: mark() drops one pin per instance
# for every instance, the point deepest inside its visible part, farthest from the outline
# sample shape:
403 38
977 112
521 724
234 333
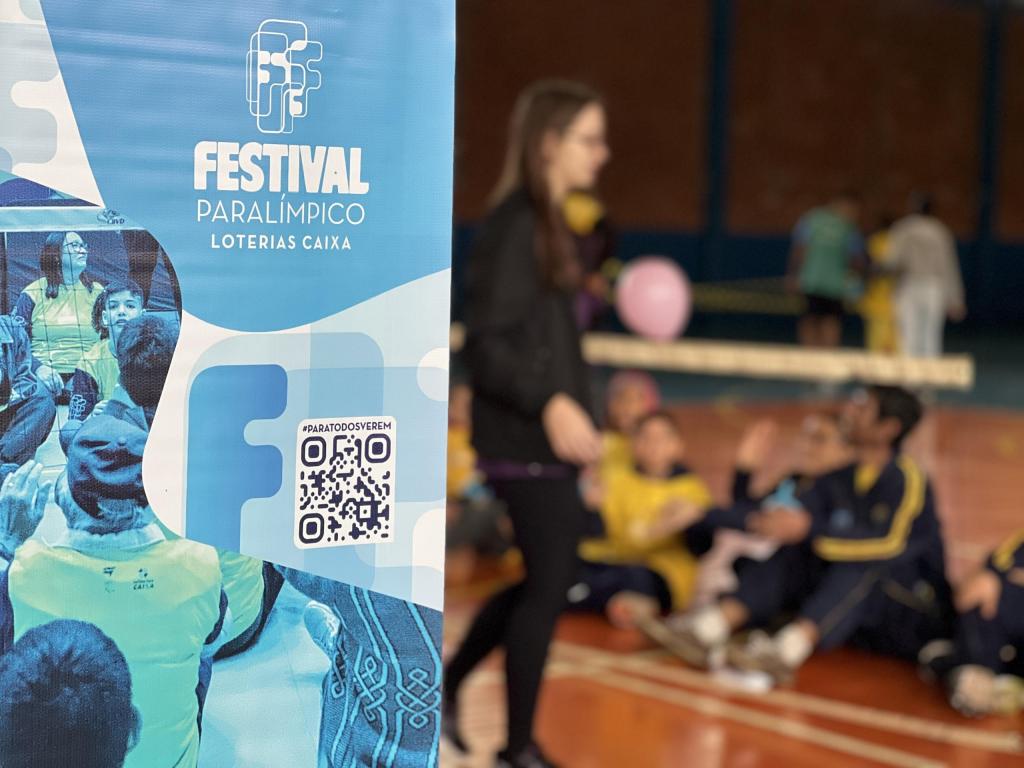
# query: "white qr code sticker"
344 481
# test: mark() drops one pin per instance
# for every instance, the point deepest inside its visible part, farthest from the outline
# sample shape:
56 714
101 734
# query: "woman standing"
531 426
56 310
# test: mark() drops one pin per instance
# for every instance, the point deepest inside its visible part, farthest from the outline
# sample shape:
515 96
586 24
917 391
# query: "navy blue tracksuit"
871 572
998 643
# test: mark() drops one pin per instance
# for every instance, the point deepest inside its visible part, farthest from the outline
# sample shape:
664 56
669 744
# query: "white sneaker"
1008 695
759 653
973 690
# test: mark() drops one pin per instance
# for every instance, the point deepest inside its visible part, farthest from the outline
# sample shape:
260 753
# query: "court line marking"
774 723
647 663
855 714
601 674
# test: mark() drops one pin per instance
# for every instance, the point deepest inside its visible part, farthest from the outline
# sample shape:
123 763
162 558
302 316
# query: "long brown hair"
50 264
545 106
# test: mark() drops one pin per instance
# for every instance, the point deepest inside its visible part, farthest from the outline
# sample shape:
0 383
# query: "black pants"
879 607
25 425
548 518
997 643
598 583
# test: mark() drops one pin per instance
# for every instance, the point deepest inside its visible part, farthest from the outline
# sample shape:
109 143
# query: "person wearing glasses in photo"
56 310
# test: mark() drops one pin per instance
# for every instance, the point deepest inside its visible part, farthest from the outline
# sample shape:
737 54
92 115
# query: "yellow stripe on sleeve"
895 541
1003 557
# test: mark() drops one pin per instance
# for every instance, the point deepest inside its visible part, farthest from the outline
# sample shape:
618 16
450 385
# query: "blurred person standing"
826 245
877 305
532 427
922 251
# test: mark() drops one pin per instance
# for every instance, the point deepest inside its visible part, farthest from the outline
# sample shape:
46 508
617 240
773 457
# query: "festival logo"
280 74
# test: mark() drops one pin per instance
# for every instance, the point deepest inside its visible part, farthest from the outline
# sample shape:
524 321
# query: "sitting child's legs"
625 593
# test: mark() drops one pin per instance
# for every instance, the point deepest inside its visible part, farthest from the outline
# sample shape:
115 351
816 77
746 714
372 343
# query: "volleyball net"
771 361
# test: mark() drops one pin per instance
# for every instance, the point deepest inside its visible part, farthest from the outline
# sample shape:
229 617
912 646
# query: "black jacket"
522 342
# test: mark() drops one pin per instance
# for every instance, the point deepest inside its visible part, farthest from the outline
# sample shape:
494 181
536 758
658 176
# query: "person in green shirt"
159 599
55 310
826 247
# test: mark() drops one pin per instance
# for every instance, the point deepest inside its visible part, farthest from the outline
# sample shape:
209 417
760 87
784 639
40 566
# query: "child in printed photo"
98 373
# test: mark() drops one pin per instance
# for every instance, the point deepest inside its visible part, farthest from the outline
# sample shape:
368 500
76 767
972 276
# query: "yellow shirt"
243 585
100 363
877 299
632 504
618 454
159 600
877 303
461 461
62 329
582 212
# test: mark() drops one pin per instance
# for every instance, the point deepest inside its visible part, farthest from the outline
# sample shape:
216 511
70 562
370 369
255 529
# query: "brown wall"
883 95
647 56
1010 179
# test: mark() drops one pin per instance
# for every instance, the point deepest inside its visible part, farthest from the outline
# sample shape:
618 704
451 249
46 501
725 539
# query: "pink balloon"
653 297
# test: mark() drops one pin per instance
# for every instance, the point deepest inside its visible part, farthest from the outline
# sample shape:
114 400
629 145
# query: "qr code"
344 481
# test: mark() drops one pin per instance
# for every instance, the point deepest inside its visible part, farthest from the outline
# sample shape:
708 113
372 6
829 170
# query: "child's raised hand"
756 444
50 379
23 498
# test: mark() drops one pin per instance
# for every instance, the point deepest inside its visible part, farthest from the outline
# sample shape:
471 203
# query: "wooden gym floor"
612 699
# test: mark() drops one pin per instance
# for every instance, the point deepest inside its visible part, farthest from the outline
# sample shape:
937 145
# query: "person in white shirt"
922 252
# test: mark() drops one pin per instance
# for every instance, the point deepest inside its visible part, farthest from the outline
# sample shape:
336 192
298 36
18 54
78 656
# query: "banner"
224 251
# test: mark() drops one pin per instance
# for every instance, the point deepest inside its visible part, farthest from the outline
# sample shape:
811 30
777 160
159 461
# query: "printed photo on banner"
122 643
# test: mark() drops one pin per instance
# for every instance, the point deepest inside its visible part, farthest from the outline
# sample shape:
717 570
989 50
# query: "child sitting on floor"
631 396
860 559
640 564
817 448
982 667
98 373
